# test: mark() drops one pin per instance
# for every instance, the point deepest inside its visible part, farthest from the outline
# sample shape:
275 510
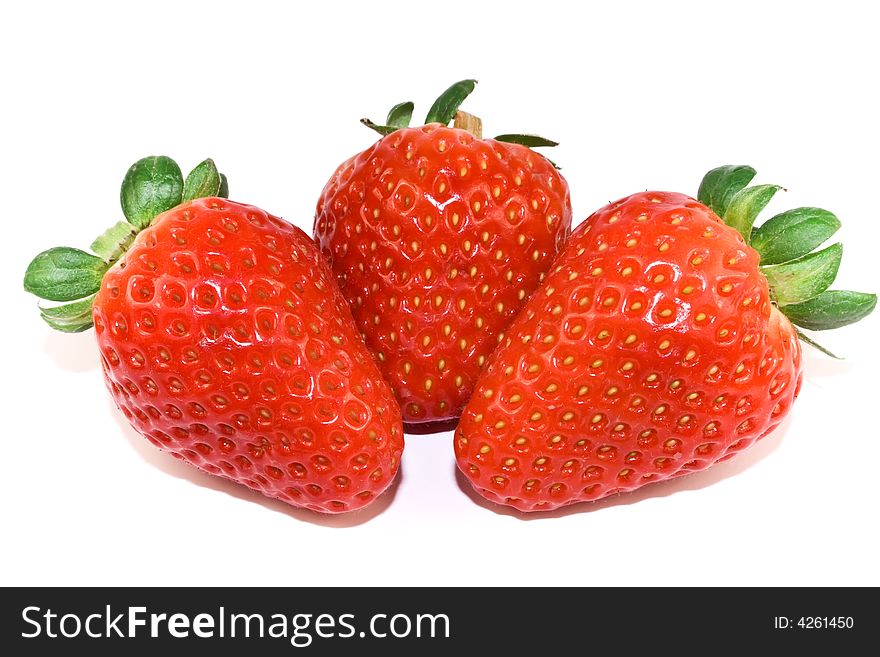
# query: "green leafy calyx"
792 234
202 181
444 110
400 115
151 186
64 274
798 274
72 317
720 185
532 141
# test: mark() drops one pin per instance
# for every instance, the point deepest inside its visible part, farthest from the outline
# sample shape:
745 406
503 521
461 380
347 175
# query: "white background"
640 95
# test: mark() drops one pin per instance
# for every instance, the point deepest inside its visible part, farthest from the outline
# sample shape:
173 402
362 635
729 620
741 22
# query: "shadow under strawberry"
181 470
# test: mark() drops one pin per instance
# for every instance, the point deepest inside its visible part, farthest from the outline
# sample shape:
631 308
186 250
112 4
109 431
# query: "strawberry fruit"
659 344
225 341
437 237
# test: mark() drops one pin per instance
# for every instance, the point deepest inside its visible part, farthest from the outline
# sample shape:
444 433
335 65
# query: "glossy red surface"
436 239
225 341
651 350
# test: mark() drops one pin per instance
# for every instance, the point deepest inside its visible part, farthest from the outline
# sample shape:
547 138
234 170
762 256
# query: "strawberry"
661 343
437 237
225 341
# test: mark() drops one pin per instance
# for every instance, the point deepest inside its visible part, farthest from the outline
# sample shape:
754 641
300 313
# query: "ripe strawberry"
225 341
654 348
437 237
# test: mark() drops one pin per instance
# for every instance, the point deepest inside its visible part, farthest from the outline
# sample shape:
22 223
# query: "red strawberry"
437 237
225 342
654 348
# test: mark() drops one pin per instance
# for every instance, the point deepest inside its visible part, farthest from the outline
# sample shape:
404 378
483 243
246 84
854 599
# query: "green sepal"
720 184
71 317
831 309
381 129
793 234
151 186
114 241
64 274
804 278
815 345
444 108
204 180
223 192
532 141
400 115
746 205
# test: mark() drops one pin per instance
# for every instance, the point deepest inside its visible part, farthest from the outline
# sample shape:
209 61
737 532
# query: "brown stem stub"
473 124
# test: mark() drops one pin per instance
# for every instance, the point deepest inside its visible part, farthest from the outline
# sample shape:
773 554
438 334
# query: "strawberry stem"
469 122
446 109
